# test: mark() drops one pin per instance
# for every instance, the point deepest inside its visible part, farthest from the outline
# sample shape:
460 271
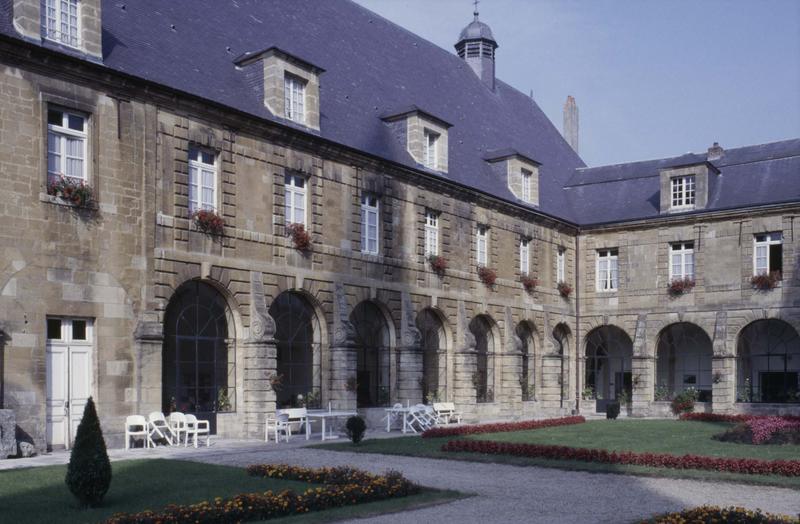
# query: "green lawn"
662 436
40 495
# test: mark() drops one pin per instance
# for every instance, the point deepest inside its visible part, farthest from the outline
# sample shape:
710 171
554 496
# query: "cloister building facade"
399 226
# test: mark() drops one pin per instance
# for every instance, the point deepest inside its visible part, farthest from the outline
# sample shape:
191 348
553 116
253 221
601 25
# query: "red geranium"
300 237
209 222
528 283
487 275
438 263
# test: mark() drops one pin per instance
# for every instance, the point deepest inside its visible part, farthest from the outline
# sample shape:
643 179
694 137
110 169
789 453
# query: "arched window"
608 365
433 342
297 340
561 334
683 360
526 374
373 353
768 363
483 380
197 370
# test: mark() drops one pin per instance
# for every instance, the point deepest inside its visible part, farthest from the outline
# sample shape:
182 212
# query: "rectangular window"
369 224
560 266
682 191
681 263
60 19
482 246
768 254
294 98
431 233
431 149
295 199
527 176
524 256
66 145
202 180
607 270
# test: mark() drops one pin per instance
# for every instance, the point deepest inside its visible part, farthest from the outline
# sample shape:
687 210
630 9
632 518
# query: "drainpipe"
577 323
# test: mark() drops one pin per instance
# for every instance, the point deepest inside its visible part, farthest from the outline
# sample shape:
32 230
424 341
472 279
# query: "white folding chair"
195 428
136 426
158 428
279 423
177 423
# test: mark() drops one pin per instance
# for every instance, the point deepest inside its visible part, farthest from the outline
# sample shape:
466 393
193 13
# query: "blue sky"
652 78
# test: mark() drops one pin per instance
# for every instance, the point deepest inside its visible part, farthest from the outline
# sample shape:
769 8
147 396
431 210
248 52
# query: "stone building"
346 162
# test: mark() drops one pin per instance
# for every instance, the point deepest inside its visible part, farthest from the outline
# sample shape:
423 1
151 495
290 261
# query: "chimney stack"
715 152
571 126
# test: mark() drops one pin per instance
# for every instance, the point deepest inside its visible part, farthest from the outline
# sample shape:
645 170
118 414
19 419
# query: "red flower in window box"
766 281
487 275
300 237
564 289
679 286
528 283
438 264
209 222
76 192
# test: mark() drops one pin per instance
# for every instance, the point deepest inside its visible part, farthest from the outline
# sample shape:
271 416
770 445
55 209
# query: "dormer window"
526 185
431 149
60 21
294 93
683 191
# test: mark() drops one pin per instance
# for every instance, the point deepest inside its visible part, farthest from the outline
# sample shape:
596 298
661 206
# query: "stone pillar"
552 381
258 397
410 358
8 433
643 372
723 378
465 363
148 345
343 376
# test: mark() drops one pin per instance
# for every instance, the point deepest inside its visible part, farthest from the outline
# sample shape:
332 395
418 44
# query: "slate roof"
372 68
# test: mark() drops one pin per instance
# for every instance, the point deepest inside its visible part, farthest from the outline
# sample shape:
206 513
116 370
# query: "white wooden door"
69 377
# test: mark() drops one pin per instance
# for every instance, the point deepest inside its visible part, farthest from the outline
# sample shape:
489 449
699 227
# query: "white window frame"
293 189
431 149
683 191
607 270
482 246
431 233
524 256
681 254
769 239
294 98
561 266
56 17
198 167
527 177
370 224
59 134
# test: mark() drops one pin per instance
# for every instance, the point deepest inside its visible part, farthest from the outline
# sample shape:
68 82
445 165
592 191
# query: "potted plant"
300 237
766 281
680 286
529 283
564 289
487 275
75 192
209 222
684 401
438 264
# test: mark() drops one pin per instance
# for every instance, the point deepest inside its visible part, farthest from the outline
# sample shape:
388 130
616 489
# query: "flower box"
75 192
564 289
209 222
766 281
487 275
680 286
300 237
528 283
438 264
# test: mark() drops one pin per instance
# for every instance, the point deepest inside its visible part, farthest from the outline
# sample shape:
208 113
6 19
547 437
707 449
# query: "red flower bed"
501 427
718 417
786 468
705 514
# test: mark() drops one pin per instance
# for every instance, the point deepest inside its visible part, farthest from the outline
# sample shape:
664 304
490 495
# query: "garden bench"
446 413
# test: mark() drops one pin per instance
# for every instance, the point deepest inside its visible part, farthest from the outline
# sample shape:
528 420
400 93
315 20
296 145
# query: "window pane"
207 158
55 117
54 329
208 178
75 122
78 330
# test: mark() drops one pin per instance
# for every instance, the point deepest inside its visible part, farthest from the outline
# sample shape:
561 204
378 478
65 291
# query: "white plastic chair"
177 423
136 426
158 428
195 428
279 423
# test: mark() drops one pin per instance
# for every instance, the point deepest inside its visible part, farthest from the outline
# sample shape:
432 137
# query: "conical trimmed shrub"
89 470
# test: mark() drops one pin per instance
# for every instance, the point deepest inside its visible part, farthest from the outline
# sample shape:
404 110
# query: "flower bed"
704 514
501 427
341 487
763 430
787 468
718 417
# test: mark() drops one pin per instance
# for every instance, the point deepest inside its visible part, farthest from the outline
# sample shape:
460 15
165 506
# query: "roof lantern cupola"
476 45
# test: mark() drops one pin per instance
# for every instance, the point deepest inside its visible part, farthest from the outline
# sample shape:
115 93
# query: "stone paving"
503 493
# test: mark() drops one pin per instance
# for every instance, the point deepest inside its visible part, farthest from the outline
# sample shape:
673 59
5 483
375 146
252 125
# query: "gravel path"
530 494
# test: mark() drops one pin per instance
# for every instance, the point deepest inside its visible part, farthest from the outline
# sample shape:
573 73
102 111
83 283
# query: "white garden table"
330 414
399 412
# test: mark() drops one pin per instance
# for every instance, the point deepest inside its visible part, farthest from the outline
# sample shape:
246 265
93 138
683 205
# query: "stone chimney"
34 21
571 126
715 152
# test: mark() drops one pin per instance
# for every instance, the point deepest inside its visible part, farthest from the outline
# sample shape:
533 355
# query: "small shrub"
717 514
763 430
89 470
612 410
684 401
355 427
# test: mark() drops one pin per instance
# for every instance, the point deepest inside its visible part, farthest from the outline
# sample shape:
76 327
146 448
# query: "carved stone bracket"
640 336
262 325
344 333
466 340
721 334
149 331
412 338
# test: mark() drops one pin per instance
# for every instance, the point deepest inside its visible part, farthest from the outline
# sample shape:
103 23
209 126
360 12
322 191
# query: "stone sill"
58 201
